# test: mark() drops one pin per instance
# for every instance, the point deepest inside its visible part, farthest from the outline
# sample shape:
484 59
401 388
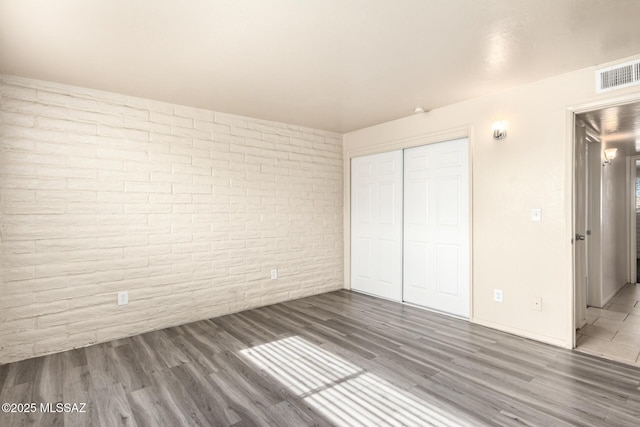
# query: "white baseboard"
606 300
558 342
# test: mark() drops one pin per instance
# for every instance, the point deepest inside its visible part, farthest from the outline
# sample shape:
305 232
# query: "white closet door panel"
376 224
447 269
362 252
415 256
436 227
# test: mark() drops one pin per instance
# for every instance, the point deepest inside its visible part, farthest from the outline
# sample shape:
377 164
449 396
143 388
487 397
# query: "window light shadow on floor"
341 391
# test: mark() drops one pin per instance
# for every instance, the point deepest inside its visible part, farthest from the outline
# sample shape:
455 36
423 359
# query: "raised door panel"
436 232
376 224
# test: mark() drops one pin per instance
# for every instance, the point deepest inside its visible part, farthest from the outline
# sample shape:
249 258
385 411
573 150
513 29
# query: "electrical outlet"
537 304
497 295
536 215
123 298
274 274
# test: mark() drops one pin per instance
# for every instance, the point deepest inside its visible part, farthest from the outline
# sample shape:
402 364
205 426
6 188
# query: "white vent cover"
618 76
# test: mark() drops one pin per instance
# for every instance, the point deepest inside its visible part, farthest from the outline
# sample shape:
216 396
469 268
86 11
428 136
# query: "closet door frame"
416 141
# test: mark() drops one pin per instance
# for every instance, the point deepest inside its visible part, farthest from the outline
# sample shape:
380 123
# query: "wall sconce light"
609 154
499 130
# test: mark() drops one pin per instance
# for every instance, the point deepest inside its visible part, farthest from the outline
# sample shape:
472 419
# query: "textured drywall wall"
531 168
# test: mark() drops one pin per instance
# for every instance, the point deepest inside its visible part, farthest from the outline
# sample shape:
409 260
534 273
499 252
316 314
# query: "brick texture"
188 210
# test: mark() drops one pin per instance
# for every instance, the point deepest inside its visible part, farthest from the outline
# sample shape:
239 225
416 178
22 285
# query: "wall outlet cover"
123 298
536 215
537 304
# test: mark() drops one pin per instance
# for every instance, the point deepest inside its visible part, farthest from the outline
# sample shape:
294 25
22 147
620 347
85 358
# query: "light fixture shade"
499 130
610 153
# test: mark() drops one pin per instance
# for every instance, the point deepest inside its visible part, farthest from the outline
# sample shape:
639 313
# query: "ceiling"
616 127
329 64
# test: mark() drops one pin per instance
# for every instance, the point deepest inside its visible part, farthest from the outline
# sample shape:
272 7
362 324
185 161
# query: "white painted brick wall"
186 209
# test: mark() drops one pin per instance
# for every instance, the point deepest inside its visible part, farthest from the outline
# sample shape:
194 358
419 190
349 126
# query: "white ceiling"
616 127
330 64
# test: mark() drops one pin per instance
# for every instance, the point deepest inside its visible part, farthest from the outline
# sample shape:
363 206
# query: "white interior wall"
637 213
594 224
608 226
531 168
614 228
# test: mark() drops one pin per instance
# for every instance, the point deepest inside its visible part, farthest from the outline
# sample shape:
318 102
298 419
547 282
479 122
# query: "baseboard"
525 334
606 300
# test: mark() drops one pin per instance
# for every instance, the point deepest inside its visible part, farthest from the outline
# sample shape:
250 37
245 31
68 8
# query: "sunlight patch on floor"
343 392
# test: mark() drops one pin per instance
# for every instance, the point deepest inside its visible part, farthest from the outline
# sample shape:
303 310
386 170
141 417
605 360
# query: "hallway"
613 331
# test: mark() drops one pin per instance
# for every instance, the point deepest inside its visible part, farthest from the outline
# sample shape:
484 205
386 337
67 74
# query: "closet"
410 226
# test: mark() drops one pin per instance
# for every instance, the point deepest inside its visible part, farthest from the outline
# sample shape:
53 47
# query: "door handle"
579 237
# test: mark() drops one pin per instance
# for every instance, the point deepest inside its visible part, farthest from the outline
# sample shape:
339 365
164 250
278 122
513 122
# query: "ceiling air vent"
618 76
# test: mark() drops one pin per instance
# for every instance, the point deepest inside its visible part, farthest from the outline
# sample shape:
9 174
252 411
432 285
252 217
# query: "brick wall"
188 210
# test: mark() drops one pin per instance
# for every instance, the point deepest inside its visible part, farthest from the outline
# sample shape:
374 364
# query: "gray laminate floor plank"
236 371
151 360
148 409
174 398
465 396
129 366
334 359
233 325
203 357
19 393
113 407
164 345
104 372
4 374
528 417
240 399
210 400
622 419
77 387
24 371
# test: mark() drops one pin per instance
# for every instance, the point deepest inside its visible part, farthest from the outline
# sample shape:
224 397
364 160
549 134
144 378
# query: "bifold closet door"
376 224
436 226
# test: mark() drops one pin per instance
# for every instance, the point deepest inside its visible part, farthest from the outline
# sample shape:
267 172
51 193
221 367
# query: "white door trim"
570 206
631 215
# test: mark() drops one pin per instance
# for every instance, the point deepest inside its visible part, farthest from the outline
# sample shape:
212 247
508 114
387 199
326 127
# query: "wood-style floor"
334 359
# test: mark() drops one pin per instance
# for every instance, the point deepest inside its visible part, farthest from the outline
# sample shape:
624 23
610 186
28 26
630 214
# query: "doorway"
607 296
